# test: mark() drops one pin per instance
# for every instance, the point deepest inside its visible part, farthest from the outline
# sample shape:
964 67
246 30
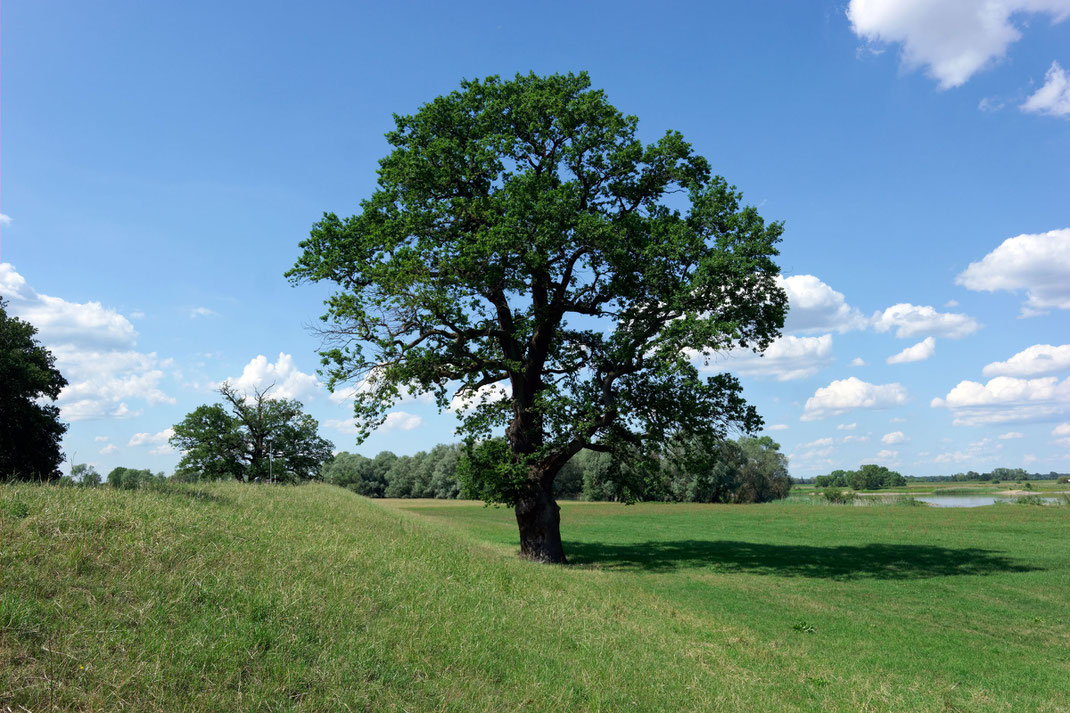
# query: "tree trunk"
539 518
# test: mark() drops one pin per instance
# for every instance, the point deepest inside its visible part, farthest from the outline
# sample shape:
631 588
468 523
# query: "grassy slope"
259 598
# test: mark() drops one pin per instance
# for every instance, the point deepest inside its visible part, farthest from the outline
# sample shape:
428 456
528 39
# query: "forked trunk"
539 518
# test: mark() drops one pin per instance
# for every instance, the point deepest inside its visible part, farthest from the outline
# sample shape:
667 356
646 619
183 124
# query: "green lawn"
235 597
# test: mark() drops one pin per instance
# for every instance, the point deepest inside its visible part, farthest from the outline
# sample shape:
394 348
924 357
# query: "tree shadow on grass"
873 561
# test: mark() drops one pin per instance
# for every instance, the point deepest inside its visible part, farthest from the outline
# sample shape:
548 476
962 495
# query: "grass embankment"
260 598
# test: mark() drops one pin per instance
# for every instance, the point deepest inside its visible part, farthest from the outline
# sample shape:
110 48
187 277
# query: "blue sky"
161 162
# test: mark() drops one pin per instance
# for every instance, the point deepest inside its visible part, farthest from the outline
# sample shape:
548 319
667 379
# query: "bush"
839 497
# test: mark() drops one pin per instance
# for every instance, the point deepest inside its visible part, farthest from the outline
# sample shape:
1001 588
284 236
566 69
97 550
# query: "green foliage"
513 222
134 479
250 438
86 475
839 497
868 477
30 429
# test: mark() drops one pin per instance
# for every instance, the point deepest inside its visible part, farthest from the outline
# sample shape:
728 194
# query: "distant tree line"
868 477
747 470
874 477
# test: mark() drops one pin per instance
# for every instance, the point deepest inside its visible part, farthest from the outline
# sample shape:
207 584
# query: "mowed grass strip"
231 597
892 608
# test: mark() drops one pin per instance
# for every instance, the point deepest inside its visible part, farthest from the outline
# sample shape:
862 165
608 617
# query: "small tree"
249 438
525 251
30 430
86 475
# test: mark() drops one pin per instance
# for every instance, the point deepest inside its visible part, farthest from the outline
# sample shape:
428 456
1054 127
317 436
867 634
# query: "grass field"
238 598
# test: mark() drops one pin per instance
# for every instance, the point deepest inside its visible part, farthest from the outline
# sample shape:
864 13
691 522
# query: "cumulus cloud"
488 394
919 352
819 443
1036 263
94 350
887 454
846 427
951 39
1010 435
816 307
144 439
5 219
915 320
1004 399
108 449
787 358
890 439
857 361
1053 98
395 421
777 427
1062 434
202 312
401 420
852 393
352 392
1037 360
289 381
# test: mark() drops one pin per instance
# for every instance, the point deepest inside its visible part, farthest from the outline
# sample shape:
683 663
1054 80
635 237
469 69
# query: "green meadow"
230 597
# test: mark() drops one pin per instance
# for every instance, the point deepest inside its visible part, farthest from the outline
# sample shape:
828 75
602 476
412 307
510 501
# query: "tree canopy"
527 254
30 431
241 439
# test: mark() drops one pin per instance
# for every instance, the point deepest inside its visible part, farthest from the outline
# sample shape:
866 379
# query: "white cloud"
395 420
1053 98
787 358
1038 264
94 350
846 427
100 439
816 307
1037 360
143 439
202 312
1010 435
1028 458
289 381
5 219
351 392
1004 399
488 394
108 449
819 443
401 420
915 320
777 427
162 449
919 352
855 439
887 454
857 361
951 39
852 393
1063 429
890 439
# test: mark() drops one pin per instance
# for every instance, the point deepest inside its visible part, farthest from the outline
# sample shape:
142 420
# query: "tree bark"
539 518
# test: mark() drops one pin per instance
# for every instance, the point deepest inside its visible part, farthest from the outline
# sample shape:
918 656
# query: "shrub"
839 497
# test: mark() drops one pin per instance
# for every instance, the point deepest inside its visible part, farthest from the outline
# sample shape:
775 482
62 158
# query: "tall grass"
255 598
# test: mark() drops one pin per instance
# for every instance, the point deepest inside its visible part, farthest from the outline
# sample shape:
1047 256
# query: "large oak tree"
526 253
